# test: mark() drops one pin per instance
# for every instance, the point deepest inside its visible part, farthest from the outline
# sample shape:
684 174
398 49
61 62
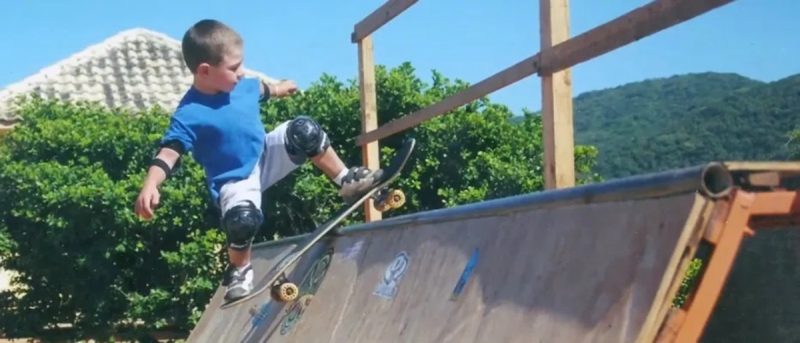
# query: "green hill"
684 120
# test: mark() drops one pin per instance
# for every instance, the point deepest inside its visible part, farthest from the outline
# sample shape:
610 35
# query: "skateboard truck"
283 290
388 198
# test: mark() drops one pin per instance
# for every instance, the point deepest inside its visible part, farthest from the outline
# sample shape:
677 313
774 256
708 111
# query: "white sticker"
387 288
354 250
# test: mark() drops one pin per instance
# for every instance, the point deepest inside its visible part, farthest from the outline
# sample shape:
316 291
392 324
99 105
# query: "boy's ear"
203 69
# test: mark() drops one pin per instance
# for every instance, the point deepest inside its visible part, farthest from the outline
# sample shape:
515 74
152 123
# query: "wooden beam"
557 130
786 167
630 27
379 17
504 78
623 30
369 115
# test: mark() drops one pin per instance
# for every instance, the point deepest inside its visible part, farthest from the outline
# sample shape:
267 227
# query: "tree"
70 173
793 144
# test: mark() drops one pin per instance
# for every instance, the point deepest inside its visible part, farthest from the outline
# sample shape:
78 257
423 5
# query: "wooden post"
559 158
369 115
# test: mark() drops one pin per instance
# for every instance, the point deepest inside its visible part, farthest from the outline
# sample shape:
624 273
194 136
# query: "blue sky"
462 39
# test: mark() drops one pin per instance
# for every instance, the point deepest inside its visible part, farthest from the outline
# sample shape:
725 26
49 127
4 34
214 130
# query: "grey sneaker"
239 282
357 182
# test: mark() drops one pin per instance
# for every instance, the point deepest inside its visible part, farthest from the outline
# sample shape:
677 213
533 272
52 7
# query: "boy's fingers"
145 211
150 202
143 207
138 207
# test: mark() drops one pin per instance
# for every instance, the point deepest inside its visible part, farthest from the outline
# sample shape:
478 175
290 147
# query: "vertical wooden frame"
559 160
369 115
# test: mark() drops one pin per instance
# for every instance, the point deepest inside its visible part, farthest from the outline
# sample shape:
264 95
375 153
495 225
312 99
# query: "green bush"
689 283
70 173
68 177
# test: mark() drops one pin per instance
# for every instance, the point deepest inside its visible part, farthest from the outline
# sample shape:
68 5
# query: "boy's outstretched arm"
277 90
158 172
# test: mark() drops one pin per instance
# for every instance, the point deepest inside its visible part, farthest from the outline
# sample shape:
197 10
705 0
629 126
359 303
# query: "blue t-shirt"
223 132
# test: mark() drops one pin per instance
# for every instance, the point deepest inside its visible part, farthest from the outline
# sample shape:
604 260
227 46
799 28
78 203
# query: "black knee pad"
305 137
241 223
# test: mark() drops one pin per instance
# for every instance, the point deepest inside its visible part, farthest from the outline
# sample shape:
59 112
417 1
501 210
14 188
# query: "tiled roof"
134 69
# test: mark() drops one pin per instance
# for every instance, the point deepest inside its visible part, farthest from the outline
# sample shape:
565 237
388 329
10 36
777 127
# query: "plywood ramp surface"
576 273
245 321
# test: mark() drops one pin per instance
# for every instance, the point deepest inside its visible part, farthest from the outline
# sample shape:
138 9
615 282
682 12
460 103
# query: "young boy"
218 121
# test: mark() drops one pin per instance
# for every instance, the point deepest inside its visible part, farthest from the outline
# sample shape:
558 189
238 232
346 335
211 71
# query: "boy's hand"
284 88
149 196
147 202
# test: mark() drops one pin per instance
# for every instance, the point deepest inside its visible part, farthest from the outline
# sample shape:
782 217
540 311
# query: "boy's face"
224 76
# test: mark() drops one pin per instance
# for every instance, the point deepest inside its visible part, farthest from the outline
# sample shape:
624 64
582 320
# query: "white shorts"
275 163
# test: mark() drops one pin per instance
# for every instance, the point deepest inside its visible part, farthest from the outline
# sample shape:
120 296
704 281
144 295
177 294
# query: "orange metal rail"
745 212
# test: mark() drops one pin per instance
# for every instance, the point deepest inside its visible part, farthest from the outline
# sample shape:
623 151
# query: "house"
134 69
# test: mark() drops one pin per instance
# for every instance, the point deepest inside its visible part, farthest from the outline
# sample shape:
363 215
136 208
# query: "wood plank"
764 179
379 17
780 166
621 31
630 27
503 78
557 131
369 115
673 323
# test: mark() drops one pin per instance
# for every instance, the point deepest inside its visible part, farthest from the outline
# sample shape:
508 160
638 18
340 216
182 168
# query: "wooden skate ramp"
596 263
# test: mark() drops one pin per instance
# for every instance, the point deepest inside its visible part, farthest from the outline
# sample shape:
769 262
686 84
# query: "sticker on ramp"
465 275
387 287
308 287
354 250
294 313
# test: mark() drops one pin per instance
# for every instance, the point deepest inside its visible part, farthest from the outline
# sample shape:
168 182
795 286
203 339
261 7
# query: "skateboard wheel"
396 198
285 292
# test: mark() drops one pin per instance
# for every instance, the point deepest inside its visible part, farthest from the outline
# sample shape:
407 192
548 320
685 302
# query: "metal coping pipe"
717 181
712 180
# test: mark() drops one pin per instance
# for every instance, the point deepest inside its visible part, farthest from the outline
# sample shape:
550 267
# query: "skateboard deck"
282 289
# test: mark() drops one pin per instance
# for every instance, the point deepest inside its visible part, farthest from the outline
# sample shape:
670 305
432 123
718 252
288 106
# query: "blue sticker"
465 275
260 316
387 287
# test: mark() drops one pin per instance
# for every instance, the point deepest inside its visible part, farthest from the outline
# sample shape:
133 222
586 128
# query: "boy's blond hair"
207 41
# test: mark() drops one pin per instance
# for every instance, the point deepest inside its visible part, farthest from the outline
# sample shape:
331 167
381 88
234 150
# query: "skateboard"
281 288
